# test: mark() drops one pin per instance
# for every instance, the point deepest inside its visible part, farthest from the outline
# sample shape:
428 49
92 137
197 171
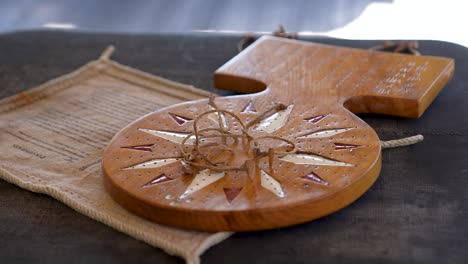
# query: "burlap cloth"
52 138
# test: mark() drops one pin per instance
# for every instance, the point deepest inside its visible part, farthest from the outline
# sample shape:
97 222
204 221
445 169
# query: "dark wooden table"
415 213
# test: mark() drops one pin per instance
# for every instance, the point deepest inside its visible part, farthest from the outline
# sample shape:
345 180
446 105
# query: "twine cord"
194 152
401 142
249 38
406 46
200 136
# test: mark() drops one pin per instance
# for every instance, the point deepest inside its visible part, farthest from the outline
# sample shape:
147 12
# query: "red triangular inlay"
180 120
315 119
157 180
339 146
231 193
142 148
315 178
249 108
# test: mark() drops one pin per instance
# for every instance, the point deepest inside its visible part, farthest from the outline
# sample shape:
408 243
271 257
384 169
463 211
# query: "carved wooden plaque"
290 153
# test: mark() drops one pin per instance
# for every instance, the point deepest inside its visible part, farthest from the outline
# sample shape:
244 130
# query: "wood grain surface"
306 96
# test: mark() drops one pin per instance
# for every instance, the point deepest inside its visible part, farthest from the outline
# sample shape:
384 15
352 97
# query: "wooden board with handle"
291 152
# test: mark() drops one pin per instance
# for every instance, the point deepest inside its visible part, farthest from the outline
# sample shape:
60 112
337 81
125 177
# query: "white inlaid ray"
311 159
326 133
175 137
274 121
201 180
271 184
216 117
155 163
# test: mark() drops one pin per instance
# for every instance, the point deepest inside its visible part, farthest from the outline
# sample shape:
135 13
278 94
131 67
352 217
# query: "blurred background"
351 19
